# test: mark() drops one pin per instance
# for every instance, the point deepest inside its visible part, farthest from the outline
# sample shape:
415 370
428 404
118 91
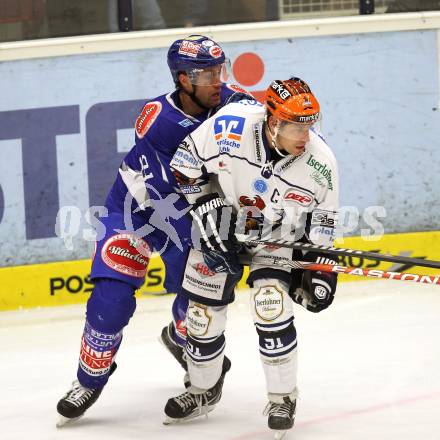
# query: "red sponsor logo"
238 89
215 51
181 328
302 199
95 360
189 48
126 254
147 117
203 270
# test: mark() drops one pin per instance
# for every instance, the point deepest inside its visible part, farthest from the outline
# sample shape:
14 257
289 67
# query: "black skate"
281 416
78 400
187 406
176 350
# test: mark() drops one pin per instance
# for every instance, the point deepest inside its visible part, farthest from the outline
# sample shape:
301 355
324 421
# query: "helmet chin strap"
274 143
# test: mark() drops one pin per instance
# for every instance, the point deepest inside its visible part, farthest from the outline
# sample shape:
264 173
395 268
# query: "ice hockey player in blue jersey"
146 212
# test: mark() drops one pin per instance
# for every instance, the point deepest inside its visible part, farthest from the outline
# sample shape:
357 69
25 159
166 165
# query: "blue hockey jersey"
146 192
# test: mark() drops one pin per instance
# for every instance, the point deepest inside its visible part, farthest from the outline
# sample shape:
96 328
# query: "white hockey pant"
272 310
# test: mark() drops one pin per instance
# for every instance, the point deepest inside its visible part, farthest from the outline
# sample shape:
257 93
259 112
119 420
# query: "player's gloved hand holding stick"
314 290
213 233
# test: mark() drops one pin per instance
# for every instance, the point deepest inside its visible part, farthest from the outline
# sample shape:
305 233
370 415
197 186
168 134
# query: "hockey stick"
371 273
352 252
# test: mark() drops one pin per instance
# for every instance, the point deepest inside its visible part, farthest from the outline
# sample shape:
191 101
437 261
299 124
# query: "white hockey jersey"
296 195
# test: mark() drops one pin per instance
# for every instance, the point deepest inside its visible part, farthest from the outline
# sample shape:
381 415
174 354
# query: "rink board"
68 282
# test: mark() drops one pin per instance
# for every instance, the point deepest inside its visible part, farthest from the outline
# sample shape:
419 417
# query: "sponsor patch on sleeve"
146 119
127 254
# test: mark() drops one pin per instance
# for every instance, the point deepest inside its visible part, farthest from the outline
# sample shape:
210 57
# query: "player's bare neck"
188 105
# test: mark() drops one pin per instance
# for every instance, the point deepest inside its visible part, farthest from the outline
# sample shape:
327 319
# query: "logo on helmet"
309 118
215 51
280 90
189 48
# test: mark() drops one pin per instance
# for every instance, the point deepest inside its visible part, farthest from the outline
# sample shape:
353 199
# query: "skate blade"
62 421
279 435
170 421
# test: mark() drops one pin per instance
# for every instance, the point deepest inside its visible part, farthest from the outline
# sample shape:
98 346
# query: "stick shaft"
370 273
357 253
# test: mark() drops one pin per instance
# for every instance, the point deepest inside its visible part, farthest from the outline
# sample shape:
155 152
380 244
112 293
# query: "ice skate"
178 352
281 417
77 401
187 406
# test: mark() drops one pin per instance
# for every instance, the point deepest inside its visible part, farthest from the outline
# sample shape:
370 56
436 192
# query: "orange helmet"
292 100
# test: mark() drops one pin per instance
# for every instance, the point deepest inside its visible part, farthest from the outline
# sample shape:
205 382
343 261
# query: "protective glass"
296 131
211 75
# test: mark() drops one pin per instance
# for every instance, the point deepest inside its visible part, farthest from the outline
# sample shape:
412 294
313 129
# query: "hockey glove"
316 289
213 233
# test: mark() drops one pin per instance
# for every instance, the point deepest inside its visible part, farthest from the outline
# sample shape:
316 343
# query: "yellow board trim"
68 282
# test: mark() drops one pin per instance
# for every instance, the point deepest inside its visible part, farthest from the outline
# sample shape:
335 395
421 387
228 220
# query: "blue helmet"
195 52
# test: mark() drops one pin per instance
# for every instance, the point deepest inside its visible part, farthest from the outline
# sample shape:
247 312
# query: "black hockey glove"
311 289
213 233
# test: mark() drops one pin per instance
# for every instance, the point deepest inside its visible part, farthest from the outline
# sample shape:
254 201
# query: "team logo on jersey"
297 196
256 201
228 130
215 51
197 320
268 303
147 117
189 48
260 186
127 254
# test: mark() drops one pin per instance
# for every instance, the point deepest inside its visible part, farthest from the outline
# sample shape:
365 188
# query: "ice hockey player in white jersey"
255 173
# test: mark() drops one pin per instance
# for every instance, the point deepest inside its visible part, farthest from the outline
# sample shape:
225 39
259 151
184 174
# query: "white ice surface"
369 369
